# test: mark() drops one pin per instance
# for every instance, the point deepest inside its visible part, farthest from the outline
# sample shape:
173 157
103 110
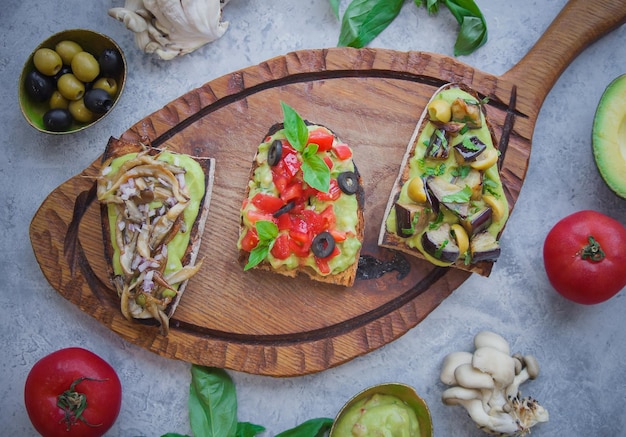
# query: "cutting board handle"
580 23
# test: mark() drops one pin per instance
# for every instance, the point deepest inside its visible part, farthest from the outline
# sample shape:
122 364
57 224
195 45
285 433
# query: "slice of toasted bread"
344 276
183 230
415 156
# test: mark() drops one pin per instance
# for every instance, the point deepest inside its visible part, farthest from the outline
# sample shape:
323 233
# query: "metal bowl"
90 41
403 392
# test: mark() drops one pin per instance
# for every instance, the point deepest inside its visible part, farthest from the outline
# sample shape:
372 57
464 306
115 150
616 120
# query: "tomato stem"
592 251
74 403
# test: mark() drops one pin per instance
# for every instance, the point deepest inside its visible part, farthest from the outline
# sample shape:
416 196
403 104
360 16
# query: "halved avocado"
609 136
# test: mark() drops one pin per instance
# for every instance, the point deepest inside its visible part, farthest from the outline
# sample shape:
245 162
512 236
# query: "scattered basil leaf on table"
364 20
212 403
310 428
247 429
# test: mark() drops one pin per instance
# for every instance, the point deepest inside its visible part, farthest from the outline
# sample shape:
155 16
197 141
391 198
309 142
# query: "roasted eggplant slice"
448 194
469 148
439 145
484 247
410 219
440 244
478 222
473 179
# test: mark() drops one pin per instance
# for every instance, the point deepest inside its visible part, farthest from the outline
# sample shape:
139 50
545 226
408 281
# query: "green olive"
85 67
70 87
67 49
80 112
108 84
416 190
47 61
57 101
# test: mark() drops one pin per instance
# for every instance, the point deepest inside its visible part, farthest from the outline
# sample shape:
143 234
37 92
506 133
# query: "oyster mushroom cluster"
171 28
486 383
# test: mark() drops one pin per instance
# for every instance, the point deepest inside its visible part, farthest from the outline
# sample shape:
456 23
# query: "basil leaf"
310 428
316 173
247 429
212 403
364 20
295 129
473 32
257 255
266 230
173 434
461 196
334 5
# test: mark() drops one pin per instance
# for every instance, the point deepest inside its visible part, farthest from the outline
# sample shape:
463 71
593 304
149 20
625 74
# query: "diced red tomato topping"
254 216
267 202
342 151
293 191
280 249
291 163
328 160
322 138
333 192
250 240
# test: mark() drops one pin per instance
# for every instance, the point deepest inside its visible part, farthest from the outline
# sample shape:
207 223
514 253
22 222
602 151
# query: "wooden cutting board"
260 323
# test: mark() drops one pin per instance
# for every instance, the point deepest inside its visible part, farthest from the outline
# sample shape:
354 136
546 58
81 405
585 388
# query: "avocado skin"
609 136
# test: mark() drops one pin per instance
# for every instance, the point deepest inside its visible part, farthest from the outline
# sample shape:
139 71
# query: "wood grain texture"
259 323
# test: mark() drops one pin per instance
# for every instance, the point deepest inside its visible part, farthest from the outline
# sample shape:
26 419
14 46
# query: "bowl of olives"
71 81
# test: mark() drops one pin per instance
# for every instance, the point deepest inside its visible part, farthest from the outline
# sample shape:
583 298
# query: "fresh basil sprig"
267 232
364 20
315 172
310 428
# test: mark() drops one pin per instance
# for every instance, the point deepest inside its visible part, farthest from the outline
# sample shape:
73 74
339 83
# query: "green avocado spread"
449 169
377 416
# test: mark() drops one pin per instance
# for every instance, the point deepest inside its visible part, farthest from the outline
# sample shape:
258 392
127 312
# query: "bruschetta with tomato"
303 206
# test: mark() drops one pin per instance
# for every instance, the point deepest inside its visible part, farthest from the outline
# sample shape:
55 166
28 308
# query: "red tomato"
322 138
584 255
79 375
249 241
280 249
343 151
333 192
267 202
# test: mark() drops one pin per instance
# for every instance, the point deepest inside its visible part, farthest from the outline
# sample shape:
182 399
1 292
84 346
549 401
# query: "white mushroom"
171 28
486 383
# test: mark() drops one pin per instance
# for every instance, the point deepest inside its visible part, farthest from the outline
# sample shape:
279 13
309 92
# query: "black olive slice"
284 209
275 152
323 244
348 182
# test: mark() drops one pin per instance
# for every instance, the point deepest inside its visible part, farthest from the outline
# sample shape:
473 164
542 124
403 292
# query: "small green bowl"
90 41
401 391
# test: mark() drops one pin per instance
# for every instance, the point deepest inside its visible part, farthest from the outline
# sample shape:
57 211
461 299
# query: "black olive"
57 120
65 69
38 86
274 153
284 209
111 63
323 245
348 181
98 100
